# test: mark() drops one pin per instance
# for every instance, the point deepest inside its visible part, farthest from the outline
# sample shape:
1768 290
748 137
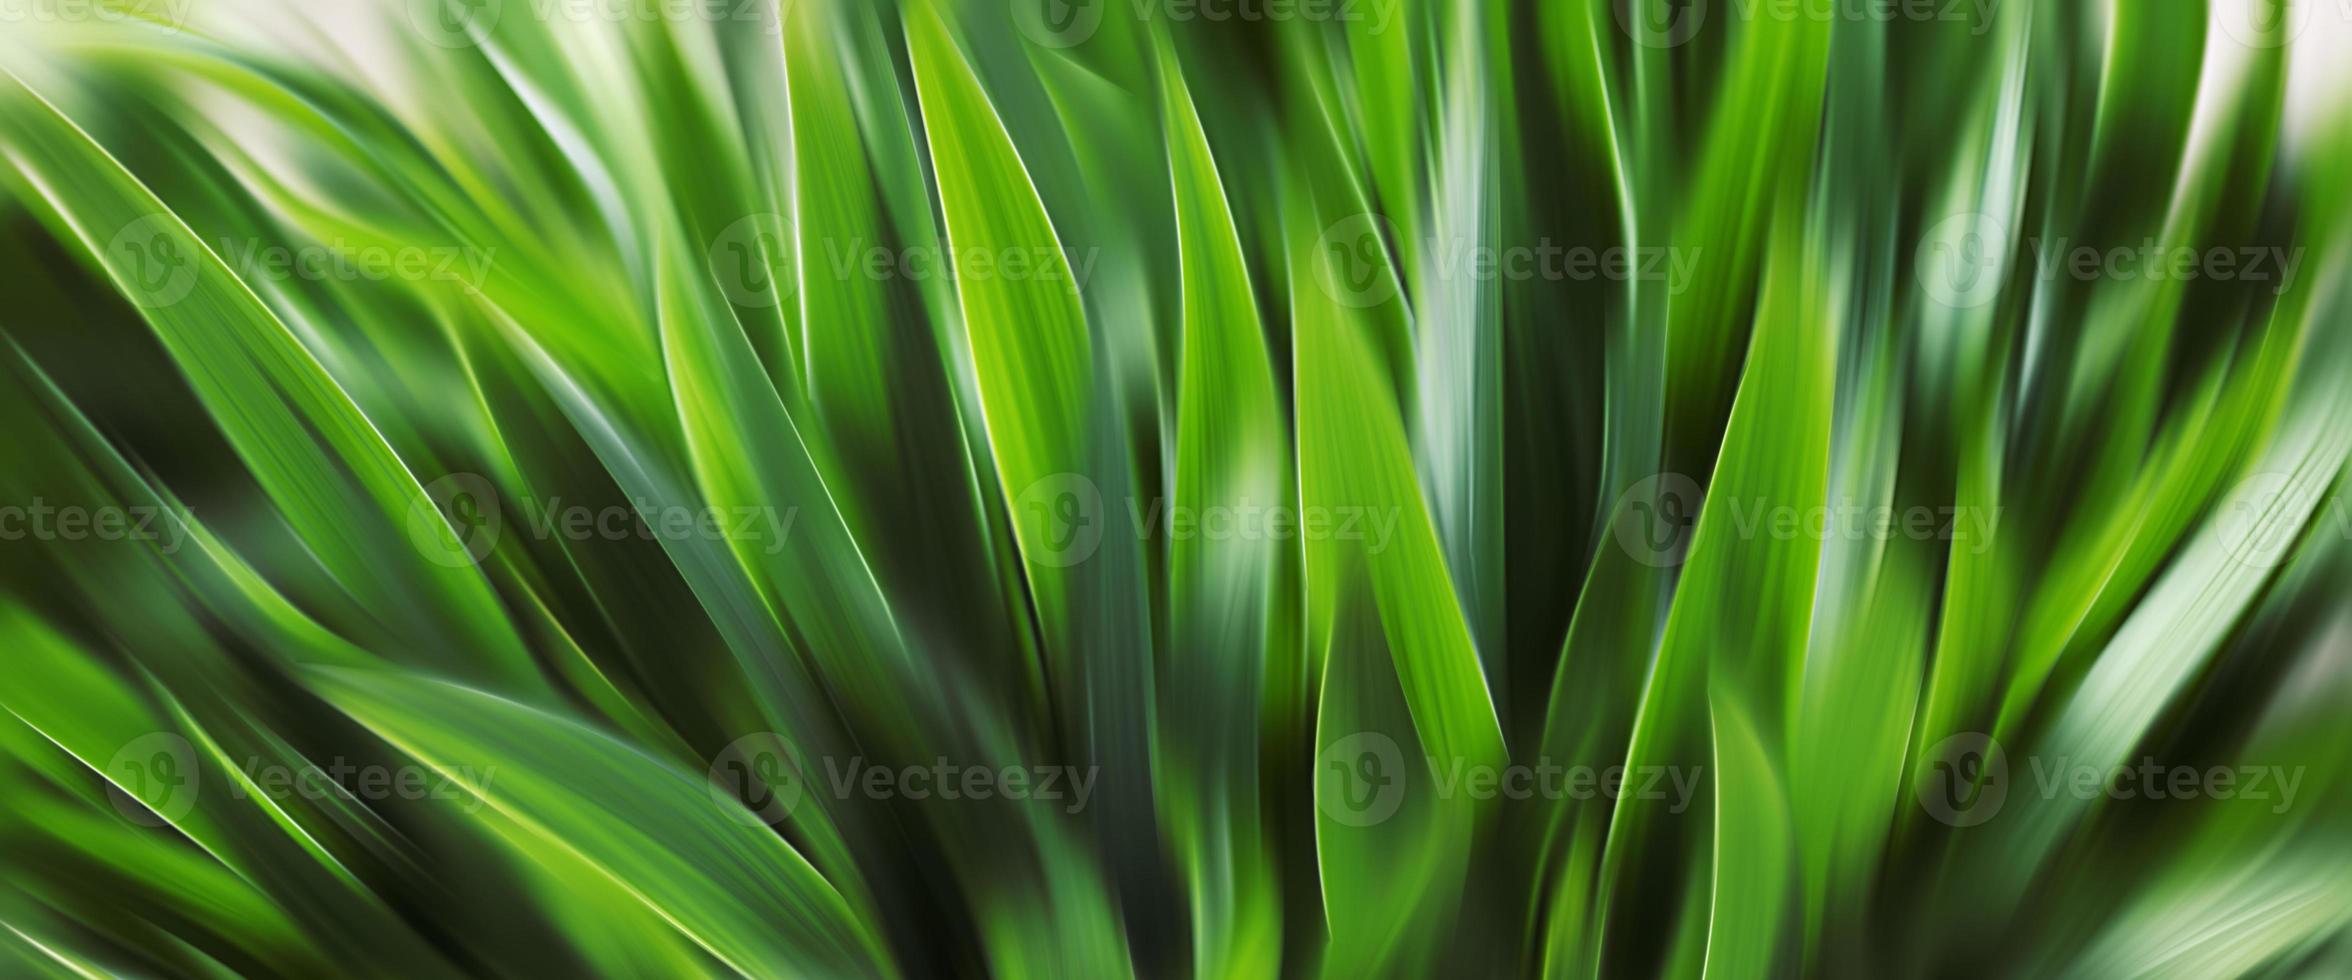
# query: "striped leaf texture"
1155 488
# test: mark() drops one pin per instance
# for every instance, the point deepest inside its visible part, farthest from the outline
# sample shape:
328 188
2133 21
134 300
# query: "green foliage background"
571 257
